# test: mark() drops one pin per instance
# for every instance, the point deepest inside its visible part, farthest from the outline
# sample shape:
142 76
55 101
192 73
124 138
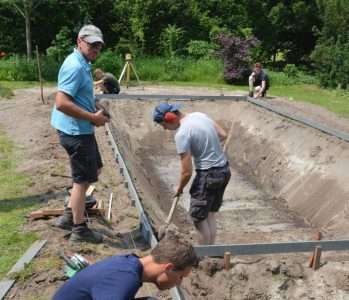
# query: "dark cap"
162 109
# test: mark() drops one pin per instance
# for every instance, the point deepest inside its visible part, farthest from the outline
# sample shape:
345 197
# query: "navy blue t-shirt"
115 278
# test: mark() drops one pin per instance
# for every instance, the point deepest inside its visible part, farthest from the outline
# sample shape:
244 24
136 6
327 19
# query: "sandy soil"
278 168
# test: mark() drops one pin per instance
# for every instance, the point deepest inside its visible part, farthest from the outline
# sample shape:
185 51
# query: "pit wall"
291 161
285 159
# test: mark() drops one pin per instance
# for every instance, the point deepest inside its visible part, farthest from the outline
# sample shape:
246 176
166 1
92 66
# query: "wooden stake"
40 78
311 260
227 265
110 205
90 190
317 258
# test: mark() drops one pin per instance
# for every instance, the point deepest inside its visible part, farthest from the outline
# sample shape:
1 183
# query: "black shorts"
207 191
84 156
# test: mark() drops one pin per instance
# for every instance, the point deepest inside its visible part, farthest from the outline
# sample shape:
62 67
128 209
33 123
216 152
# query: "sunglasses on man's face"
96 45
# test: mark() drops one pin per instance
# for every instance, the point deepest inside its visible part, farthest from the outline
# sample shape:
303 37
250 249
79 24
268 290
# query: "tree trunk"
27 9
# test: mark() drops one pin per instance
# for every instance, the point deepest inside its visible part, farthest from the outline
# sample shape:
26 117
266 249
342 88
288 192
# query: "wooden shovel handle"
173 207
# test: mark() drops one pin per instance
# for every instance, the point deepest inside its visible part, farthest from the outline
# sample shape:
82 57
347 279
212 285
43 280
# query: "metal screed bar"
146 229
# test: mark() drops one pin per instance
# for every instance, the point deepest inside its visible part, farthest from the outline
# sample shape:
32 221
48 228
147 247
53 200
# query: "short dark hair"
176 250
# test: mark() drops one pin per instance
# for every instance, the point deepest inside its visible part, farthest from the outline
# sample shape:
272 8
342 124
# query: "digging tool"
163 228
230 133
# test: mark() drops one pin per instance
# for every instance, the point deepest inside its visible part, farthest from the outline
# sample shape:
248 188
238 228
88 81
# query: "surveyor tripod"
128 67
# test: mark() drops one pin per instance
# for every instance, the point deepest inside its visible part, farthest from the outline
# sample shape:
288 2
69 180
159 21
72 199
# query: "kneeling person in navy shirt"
120 277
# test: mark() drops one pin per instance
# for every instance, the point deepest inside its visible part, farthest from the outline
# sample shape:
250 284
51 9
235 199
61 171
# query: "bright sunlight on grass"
14 205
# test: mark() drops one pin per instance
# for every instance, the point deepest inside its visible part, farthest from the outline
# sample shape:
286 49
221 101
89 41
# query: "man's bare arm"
65 104
186 172
222 134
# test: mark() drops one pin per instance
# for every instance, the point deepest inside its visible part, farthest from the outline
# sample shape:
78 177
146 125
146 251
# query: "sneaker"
82 233
66 221
250 94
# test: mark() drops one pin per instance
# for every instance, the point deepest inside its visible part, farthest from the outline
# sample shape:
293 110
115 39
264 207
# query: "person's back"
118 277
111 84
198 134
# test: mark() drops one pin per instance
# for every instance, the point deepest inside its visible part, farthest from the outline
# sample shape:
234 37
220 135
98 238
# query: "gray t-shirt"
198 136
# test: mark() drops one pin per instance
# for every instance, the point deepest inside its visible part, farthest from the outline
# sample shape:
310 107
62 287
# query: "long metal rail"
123 96
145 226
300 119
271 248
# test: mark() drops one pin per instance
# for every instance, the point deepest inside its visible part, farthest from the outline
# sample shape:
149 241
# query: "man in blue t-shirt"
120 277
75 117
198 138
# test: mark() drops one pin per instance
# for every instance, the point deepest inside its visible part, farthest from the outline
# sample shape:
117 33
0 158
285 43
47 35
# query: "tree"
285 27
25 9
331 54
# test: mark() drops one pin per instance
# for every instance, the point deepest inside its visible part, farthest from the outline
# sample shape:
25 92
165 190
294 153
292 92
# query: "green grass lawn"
14 205
333 100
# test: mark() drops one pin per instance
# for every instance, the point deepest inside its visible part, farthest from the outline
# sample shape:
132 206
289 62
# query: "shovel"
163 228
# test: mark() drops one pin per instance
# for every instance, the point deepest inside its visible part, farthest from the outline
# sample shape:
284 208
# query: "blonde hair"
98 74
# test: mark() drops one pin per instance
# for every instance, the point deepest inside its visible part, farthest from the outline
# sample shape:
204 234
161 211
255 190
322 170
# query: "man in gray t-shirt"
198 138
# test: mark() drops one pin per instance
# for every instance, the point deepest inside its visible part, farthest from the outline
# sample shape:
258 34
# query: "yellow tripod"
127 70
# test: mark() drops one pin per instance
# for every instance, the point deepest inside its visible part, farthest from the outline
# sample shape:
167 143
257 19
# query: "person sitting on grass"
106 82
120 277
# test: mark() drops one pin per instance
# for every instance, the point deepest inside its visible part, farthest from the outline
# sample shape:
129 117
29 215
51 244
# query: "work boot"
66 220
81 233
250 94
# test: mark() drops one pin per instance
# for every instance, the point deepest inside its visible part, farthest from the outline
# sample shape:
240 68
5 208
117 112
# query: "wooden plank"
42 213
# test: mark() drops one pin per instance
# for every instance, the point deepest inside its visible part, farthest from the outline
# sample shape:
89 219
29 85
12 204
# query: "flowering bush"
236 54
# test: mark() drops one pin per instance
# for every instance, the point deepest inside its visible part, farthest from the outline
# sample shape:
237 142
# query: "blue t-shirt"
115 278
75 79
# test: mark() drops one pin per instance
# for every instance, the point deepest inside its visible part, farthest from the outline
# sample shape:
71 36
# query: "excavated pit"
288 180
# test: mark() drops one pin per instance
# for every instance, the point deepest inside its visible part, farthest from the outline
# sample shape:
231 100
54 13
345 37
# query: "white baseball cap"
91 34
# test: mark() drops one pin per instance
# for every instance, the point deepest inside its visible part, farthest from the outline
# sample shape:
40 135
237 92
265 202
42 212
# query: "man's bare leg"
211 220
77 202
204 231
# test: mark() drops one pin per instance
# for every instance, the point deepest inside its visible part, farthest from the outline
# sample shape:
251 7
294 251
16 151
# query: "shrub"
61 45
170 40
200 49
109 61
18 68
235 52
291 70
332 61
